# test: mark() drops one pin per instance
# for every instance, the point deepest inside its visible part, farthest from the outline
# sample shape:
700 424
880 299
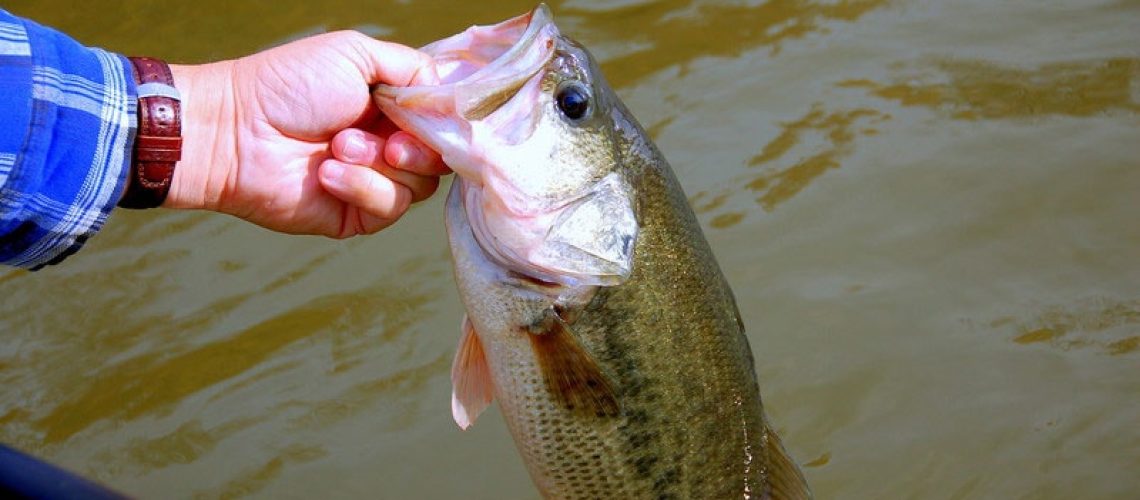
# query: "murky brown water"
928 210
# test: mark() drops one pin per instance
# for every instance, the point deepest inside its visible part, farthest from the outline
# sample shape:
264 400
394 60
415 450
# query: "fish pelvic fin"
783 478
471 387
570 373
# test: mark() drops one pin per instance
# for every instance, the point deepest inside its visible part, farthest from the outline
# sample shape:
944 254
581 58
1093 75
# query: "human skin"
289 138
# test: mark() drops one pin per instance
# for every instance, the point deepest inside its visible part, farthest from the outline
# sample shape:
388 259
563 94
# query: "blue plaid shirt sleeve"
67 124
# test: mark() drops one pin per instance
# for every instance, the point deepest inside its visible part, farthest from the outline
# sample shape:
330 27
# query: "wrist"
203 175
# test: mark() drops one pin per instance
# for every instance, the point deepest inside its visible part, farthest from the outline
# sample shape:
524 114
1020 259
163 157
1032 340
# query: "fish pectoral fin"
471 387
571 375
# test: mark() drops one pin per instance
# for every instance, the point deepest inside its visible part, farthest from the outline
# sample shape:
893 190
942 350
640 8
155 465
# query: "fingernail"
333 173
354 148
411 156
402 157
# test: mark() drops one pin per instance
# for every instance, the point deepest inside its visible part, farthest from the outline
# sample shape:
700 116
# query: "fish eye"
573 100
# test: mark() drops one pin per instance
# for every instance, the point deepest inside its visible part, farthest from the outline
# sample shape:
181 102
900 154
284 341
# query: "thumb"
388 62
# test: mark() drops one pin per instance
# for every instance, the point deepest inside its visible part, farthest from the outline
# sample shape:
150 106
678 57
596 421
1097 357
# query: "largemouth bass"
597 316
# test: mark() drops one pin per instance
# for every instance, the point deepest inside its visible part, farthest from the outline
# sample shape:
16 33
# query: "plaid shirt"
67 124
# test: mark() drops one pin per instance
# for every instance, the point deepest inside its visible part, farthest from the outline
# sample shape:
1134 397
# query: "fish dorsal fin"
471 388
571 375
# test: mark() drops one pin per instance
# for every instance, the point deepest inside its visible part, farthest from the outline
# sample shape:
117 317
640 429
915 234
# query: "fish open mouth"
474 74
487 80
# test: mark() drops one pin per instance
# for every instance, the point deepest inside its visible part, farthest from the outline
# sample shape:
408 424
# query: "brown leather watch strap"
158 145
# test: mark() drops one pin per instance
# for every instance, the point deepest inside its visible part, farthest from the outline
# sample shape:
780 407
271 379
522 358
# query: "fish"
596 314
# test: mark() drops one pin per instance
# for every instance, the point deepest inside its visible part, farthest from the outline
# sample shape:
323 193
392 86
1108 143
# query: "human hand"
289 138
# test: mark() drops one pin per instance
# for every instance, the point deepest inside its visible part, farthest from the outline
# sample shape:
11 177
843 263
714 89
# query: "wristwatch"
158 144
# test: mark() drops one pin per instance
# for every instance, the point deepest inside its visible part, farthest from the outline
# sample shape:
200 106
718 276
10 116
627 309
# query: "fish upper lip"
539 20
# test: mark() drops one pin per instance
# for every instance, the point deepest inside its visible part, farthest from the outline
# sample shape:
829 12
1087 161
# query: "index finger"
391 63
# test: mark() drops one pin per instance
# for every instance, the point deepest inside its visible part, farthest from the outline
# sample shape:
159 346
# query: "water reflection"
125 391
819 461
403 384
805 149
254 479
825 138
183 445
817 142
1106 324
354 323
975 90
677 33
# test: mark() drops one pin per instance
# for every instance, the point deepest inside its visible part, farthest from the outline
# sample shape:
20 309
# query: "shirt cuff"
66 158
